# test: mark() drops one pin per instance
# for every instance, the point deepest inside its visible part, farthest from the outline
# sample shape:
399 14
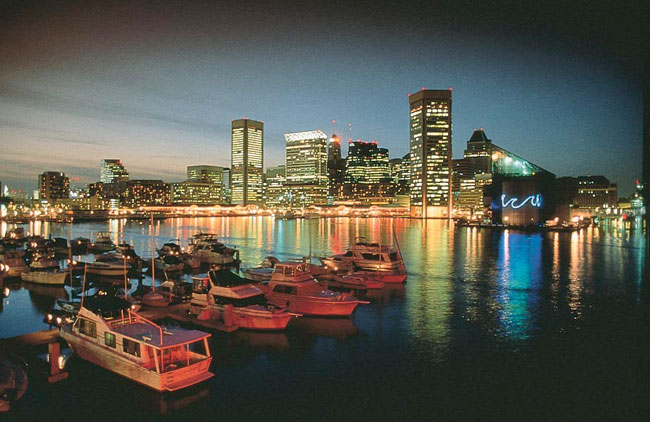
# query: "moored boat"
103 243
108 334
52 278
370 257
208 249
222 291
15 262
292 286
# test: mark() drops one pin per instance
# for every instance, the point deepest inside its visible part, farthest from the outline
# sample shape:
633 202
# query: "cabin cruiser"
108 334
42 261
250 310
103 243
263 272
107 266
368 257
51 278
209 250
293 286
15 262
80 245
189 261
169 263
15 237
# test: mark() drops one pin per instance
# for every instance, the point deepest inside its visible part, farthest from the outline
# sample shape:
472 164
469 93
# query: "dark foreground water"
489 325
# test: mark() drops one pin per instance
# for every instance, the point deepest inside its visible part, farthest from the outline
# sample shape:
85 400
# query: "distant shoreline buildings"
489 182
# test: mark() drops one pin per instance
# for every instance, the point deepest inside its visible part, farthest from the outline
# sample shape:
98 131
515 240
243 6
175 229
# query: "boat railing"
133 318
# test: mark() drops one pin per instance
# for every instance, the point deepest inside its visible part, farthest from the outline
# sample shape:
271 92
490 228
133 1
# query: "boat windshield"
175 357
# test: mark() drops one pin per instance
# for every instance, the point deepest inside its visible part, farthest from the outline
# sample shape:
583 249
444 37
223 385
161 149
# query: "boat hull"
106 272
314 307
247 319
39 277
107 359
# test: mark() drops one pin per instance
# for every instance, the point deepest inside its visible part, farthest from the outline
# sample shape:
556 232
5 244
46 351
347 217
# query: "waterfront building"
193 192
400 173
206 174
335 167
306 167
112 170
137 193
467 190
53 186
367 173
225 187
247 161
430 114
275 179
595 192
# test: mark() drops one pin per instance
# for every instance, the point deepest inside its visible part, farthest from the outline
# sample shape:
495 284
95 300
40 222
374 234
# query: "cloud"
102 111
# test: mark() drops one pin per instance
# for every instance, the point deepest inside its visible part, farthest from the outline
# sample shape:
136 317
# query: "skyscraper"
367 173
113 170
335 167
206 174
430 149
247 161
306 166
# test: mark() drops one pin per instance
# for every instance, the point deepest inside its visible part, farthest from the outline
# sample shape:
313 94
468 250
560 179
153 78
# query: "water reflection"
470 292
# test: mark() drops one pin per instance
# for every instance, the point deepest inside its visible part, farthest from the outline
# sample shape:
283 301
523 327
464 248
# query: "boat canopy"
150 334
226 278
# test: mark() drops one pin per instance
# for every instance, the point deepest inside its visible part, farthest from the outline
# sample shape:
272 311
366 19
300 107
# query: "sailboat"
153 298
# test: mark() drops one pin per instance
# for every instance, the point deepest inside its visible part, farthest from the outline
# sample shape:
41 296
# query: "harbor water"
490 324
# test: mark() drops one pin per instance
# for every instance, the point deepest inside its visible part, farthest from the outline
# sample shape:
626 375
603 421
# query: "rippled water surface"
490 324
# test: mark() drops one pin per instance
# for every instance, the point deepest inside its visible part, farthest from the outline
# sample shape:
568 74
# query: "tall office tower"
113 170
275 178
247 161
306 166
367 173
335 167
430 149
53 185
479 152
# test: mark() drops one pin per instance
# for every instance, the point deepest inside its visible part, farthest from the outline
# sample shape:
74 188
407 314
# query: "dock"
179 313
37 338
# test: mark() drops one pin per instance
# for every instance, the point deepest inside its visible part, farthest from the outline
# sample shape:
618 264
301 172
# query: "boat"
103 243
107 268
41 262
263 272
15 262
293 286
213 293
367 257
52 278
60 245
169 263
80 246
15 237
108 334
209 250
169 248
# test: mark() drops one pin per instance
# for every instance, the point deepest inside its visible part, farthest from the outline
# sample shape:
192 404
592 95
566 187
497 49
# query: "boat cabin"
291 271
108 324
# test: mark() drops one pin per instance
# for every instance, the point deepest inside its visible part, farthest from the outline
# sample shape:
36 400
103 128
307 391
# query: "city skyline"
90 91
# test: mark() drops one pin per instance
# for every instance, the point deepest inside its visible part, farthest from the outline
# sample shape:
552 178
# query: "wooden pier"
37 338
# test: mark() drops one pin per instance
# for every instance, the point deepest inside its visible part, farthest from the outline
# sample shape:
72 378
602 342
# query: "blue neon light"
535 201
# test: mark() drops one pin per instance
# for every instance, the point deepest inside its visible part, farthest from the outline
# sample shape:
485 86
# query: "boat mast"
153 269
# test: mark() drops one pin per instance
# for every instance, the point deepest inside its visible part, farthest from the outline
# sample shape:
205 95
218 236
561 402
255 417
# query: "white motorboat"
213 293
52 278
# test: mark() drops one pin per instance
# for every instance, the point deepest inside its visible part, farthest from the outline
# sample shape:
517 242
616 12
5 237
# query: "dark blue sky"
157 84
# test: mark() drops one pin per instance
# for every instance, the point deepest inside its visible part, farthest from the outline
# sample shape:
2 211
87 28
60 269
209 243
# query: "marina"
424 317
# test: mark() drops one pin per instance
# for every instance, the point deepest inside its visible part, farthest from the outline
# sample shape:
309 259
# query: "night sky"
156 84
